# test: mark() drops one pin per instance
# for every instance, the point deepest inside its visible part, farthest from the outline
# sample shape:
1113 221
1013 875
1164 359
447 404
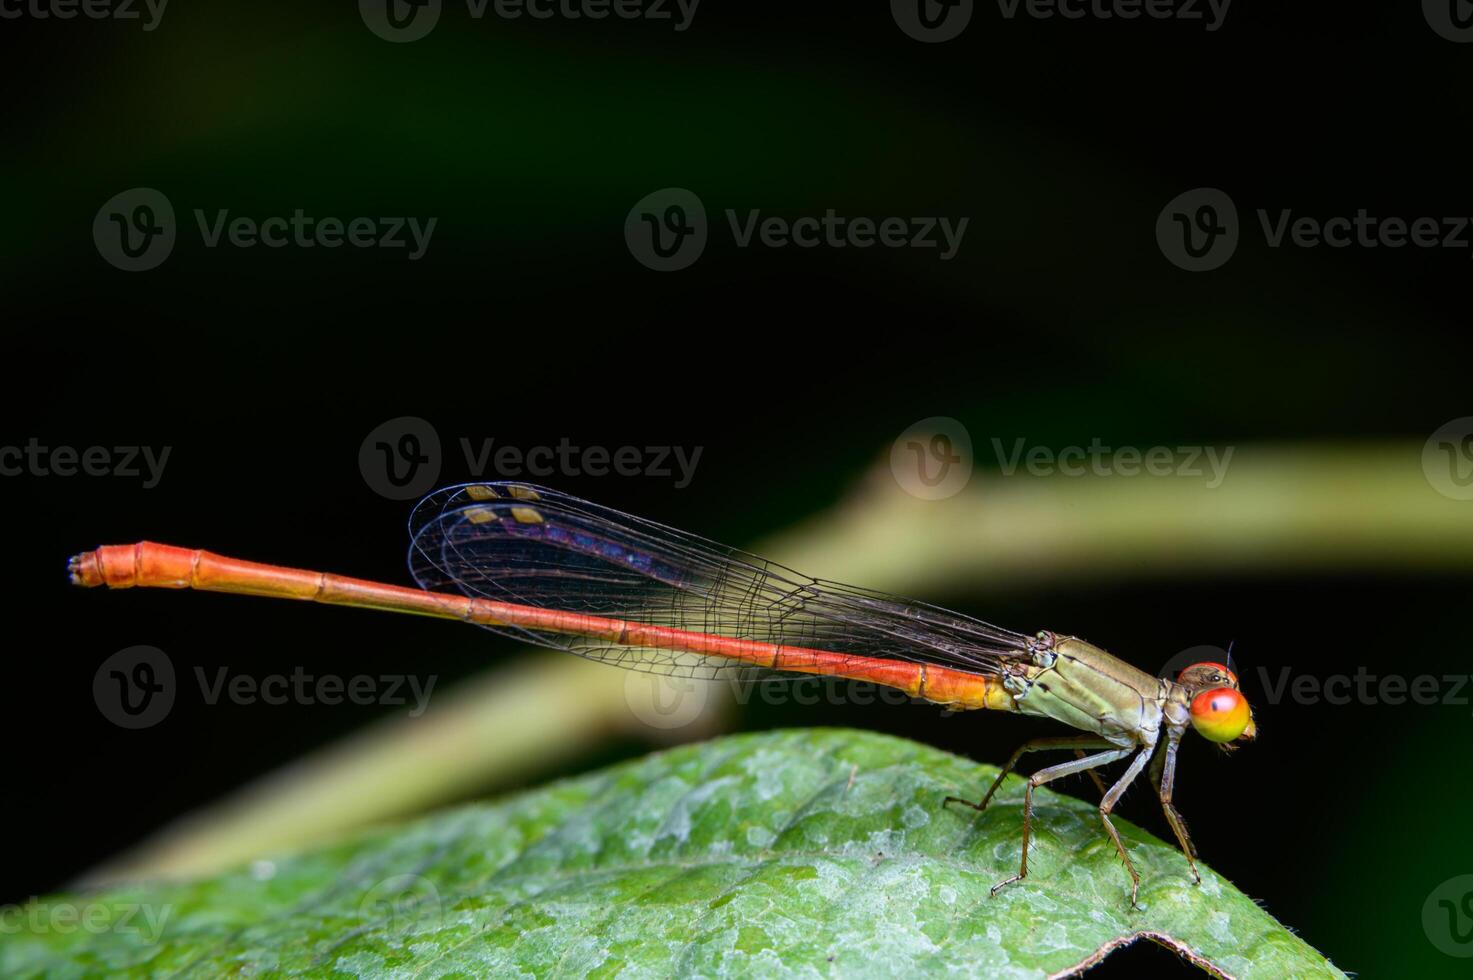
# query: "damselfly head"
1199 677
1220 713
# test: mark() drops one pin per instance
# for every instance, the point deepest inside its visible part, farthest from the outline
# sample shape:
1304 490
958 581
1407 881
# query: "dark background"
528 320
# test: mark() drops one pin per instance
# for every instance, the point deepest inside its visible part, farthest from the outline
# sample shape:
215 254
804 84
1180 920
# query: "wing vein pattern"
531 546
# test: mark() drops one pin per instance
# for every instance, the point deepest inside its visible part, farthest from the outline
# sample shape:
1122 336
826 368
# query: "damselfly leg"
1163 777
1108 804
1076 742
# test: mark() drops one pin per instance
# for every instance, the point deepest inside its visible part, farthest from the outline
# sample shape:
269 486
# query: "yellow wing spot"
523 493
480 515
526 515
479 492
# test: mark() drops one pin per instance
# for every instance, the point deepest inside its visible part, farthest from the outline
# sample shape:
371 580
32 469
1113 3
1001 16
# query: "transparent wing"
527 545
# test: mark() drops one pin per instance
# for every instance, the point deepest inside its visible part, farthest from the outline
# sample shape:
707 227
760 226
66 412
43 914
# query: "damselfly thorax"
1077 683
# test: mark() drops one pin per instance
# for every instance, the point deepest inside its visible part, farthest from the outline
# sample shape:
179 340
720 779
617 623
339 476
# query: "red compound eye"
1220 715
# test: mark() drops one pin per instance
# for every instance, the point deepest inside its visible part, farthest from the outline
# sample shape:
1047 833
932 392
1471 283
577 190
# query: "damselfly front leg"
1108 804
1163 777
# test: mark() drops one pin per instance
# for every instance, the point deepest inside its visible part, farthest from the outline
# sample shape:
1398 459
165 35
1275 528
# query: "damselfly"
550 569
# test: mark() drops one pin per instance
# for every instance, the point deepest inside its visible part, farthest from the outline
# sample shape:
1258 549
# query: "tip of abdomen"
84 570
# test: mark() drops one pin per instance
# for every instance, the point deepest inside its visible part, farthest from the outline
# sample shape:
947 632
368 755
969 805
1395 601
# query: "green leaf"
794 852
